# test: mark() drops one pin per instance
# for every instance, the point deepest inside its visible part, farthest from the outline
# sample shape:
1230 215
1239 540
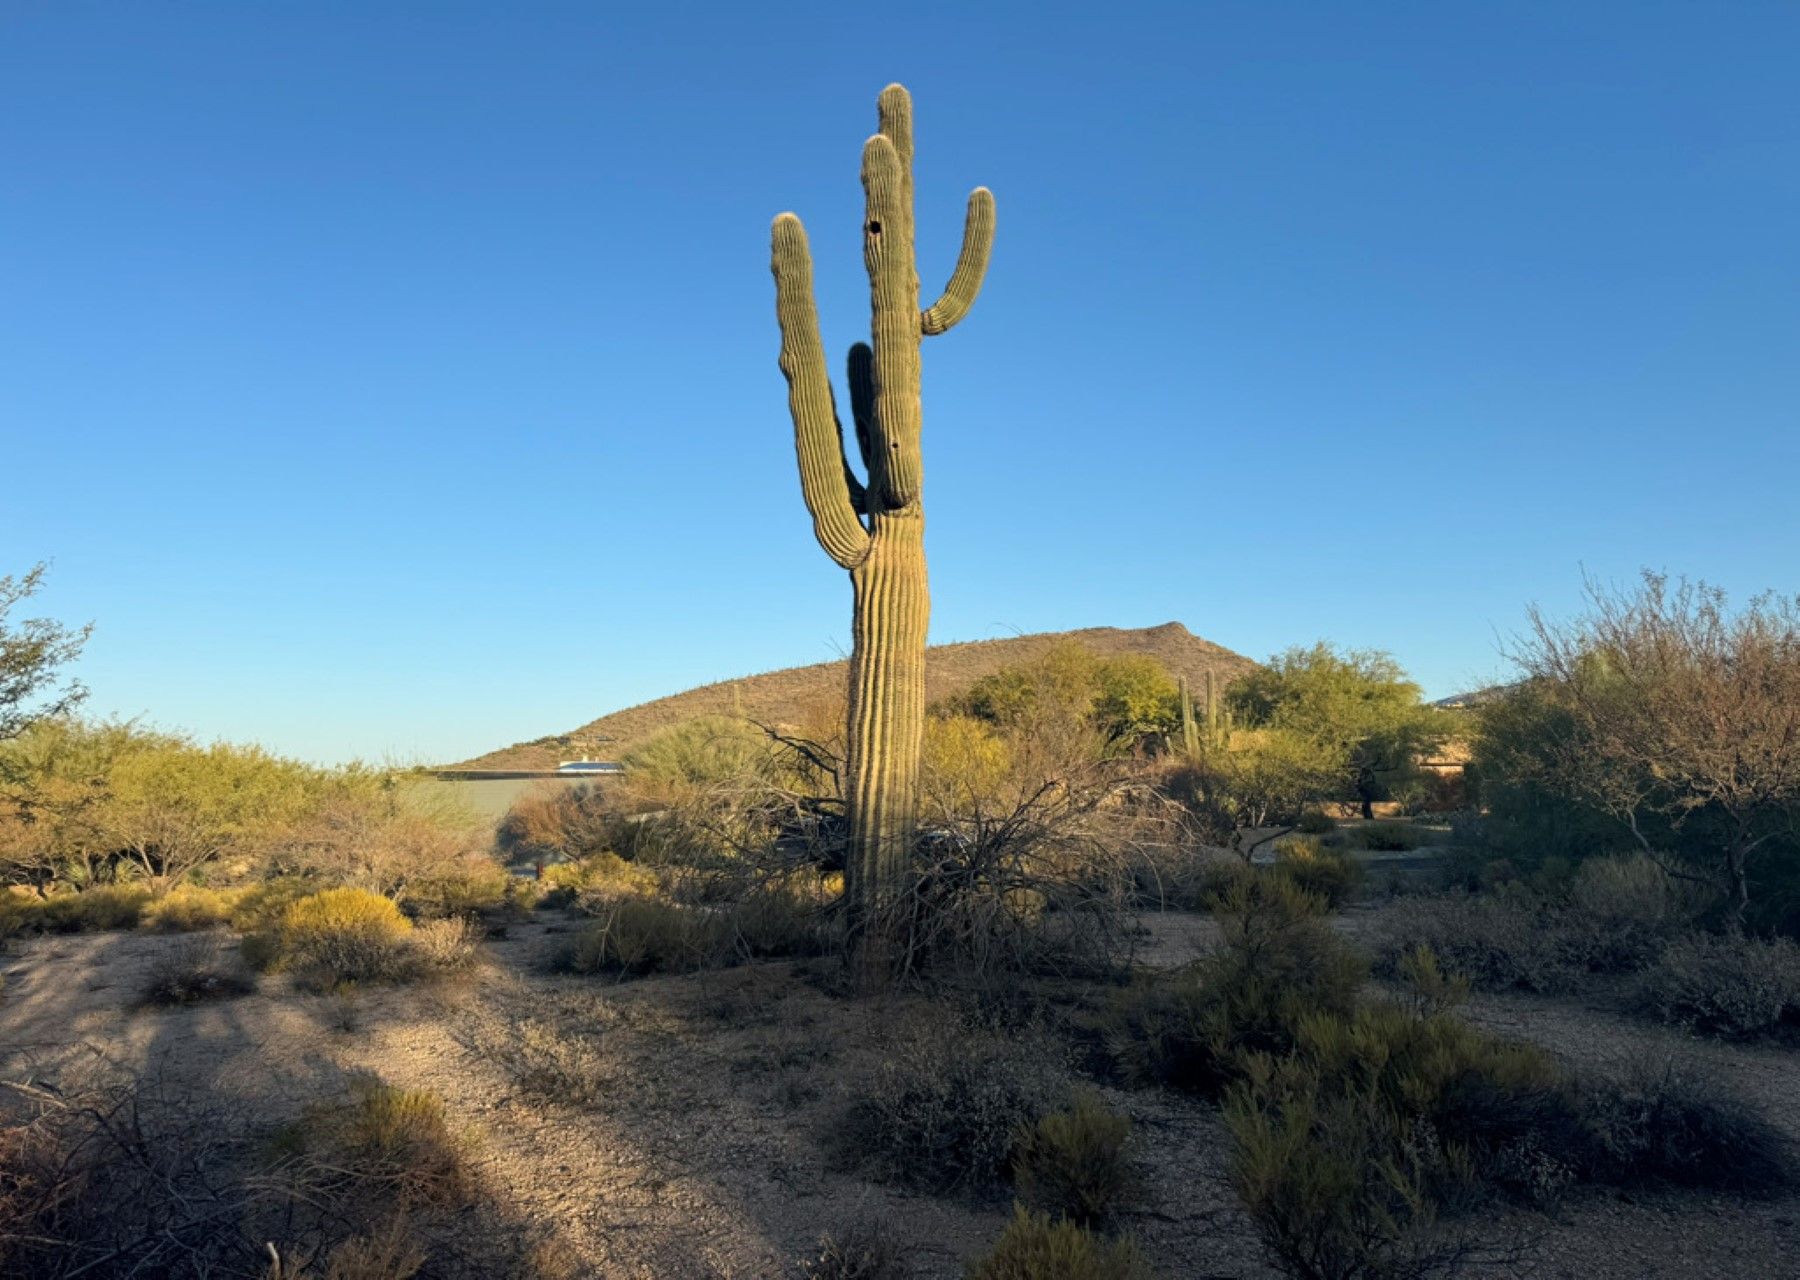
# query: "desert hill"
775 696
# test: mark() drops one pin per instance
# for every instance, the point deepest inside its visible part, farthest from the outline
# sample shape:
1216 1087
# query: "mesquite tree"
875 528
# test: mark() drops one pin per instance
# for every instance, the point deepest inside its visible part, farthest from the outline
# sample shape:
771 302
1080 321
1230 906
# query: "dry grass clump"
101 907
554 1065
383 1145
447 945
644 935
944 1111
192 970
189 908
462 887
1073 1163
391 1252
1033 1247
868 1249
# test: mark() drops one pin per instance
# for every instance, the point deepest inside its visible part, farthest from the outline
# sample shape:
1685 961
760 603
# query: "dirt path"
687 1126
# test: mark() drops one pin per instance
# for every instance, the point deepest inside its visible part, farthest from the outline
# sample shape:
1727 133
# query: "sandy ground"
684 1126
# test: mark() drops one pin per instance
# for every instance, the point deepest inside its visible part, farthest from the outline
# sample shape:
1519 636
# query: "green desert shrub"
1072 1163
868 1249
1316 822
942 1113
1676 1125
1033 1247
1332 1194
1278 962
1385 837
189 908
1497 1113
1330 875
644 935
1734 987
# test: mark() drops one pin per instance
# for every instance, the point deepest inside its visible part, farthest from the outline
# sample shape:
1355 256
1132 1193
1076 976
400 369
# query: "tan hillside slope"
777 696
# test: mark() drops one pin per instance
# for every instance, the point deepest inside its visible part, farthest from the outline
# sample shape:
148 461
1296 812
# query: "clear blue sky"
400 378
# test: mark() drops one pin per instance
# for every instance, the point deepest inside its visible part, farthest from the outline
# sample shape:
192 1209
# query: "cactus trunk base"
887 727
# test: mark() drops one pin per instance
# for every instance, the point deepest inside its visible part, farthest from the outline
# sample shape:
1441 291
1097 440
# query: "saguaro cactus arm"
825 478
971 266
862 410
894 300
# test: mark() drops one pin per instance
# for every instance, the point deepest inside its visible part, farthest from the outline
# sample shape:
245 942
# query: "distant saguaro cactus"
875 530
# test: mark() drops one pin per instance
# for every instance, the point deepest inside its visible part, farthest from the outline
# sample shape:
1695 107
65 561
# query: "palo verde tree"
32 654
875 528
1364 719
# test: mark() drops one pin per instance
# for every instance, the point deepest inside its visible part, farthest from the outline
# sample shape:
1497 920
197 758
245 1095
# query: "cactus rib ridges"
894 300
971 266
885 555
818 437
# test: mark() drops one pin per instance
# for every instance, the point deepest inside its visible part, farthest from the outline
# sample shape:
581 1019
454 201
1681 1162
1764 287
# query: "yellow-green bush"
188 908
345 935
461 888
597 879
1333 876
645 935
1034 1248
1073 1162
261 906
105 906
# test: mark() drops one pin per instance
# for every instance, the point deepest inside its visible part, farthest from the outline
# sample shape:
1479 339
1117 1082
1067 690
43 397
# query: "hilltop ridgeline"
778 696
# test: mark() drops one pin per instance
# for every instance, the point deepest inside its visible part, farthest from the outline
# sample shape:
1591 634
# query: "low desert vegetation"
869 1249
198 968
1074 1162
342 937
1332 1032
1036 1246
946 1112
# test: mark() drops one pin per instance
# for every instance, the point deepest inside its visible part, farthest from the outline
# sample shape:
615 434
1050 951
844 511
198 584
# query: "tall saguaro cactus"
875 529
